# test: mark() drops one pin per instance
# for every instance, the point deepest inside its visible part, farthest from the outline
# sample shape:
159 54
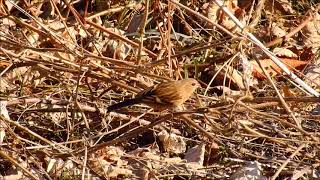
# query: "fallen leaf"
273 70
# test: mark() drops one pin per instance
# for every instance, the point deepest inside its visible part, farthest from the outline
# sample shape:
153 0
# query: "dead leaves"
59 72
273 70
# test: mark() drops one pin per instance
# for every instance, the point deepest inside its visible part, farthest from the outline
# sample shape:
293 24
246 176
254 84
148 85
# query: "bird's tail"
122 104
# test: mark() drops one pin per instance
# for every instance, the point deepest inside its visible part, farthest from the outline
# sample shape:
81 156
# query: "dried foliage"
63 63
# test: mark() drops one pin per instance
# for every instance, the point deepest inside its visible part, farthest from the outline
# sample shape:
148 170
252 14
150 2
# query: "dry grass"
63 64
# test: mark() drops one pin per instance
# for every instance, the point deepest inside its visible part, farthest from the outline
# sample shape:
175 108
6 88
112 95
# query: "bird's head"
190 84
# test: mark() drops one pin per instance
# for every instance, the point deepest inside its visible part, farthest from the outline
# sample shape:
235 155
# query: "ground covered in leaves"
256 115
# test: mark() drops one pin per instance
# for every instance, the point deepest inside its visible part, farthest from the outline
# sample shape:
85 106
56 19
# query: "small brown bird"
166 95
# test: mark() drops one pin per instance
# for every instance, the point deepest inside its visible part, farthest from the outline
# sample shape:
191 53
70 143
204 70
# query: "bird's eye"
193 84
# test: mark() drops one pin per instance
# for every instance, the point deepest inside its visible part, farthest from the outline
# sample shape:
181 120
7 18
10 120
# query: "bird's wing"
164 93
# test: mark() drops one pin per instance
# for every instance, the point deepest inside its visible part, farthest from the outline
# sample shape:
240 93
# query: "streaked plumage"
165 95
